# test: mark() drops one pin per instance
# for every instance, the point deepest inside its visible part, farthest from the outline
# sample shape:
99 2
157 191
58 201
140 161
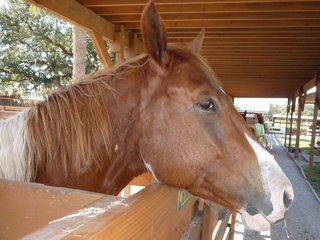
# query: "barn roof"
258 48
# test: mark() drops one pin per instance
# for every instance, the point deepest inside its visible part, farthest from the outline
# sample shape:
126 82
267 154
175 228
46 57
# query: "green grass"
304 143
305 148
315 181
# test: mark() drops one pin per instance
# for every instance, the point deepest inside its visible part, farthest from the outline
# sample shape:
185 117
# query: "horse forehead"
193 79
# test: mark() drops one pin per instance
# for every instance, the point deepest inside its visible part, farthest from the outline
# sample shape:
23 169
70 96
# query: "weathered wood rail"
8 111
35 211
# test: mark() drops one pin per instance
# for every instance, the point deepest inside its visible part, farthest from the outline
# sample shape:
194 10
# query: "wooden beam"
240 24
74 12
120 43
183 16
6 114
194 231
150 214
257 47
95 3
210 7
135 46
26 207
293 106
100 47
307 86
210 218
270 53
287 116
300 108
232 225
221 226
190 34
12 108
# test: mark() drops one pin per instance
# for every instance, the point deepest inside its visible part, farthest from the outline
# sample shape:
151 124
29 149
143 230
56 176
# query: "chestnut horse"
163 112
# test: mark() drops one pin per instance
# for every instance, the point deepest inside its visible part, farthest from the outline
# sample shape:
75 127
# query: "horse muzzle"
260 219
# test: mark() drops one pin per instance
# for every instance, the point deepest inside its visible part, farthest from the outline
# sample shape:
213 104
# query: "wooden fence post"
286 130
293 106
300 109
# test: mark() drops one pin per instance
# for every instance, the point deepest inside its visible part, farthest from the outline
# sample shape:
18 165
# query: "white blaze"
275 182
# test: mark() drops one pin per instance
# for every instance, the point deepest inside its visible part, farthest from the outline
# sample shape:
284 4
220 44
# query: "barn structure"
258 48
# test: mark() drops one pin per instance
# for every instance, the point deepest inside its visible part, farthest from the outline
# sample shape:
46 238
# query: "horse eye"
208 106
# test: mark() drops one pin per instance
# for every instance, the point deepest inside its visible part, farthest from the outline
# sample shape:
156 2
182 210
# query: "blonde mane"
70 124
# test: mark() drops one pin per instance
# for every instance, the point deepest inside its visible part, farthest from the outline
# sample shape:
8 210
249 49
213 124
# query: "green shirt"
259 130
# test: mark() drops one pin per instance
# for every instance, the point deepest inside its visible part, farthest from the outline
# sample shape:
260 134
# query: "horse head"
194 139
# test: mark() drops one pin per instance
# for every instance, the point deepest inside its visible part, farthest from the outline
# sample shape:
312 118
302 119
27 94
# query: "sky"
3 3
258 104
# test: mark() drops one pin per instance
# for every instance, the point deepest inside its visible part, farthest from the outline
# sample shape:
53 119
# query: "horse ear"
196 44
154 34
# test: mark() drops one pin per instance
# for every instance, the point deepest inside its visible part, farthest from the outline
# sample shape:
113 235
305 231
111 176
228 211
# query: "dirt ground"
303 219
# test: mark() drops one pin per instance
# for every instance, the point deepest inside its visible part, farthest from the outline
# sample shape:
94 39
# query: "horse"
164 112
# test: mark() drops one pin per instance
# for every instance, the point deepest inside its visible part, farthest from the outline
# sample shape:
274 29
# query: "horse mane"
70 124
67 128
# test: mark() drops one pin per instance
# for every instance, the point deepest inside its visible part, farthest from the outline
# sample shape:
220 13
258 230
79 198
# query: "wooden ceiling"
258 48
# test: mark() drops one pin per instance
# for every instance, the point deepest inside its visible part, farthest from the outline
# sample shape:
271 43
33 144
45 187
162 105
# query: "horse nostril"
252 210
286 200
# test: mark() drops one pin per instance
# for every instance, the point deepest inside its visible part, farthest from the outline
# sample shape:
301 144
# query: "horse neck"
125 107
116 167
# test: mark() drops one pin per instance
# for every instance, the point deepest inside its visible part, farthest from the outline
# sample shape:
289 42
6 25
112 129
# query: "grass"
304 146
315 181
304 143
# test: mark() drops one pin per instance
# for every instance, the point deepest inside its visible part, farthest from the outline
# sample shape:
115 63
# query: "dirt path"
303 219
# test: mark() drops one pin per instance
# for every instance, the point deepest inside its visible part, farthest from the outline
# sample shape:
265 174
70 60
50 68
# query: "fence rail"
35 211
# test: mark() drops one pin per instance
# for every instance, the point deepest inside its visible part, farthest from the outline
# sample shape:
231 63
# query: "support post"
286 130
209 215
300 109
120 43
233 225
293 106
101 49
132 50
314 124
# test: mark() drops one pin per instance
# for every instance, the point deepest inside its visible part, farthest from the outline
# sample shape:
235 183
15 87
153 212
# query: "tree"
35 50
276 109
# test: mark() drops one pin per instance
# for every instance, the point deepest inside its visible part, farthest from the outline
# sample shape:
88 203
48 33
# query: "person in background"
259 126
258 129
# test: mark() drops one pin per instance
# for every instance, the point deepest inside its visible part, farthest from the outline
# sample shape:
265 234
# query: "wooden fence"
10 106
35 211
8 111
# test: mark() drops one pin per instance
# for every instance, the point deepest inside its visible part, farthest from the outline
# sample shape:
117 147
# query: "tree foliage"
35 50
282 109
